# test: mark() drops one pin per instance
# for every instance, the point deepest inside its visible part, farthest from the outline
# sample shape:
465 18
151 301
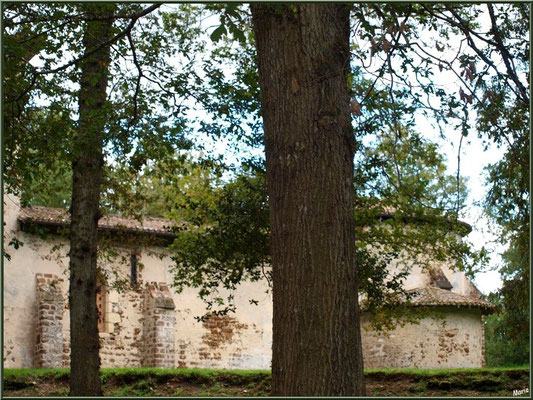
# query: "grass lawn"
125 382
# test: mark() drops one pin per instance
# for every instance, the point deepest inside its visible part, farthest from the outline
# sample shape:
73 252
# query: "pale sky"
473 161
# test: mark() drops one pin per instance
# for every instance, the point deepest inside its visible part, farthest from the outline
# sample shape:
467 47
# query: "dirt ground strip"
460 384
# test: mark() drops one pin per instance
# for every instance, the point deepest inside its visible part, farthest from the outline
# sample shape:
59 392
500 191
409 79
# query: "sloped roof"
433 296
385 212
61 217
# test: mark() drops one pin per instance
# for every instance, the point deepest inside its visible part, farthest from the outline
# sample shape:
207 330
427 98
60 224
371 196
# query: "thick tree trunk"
303 58
87 172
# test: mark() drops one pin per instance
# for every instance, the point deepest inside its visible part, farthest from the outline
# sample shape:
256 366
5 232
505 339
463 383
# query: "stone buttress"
50 307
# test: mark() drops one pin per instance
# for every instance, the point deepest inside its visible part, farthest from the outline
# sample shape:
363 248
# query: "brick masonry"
50 307
159 326
143 328
121 344
148 339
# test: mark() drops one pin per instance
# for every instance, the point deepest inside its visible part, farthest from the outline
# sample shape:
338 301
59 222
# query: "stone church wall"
149 324
454 341
140 330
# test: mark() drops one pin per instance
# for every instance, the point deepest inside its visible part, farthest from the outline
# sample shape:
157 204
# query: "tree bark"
87 175
303 58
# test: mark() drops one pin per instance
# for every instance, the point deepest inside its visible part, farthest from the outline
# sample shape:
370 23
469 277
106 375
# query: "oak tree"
303 57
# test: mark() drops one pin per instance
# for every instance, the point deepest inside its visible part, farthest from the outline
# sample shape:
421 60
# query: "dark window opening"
100 306
133 262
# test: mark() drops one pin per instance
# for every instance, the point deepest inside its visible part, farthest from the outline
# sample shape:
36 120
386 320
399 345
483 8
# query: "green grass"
38 372
430 372
180 371
129 382
13 373
206 375
138 389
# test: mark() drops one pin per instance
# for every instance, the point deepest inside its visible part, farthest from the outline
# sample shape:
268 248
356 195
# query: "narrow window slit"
133 275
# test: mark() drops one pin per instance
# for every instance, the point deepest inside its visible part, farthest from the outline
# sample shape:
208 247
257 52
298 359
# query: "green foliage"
506 120
168 187
231 19
403 179
232 101
407 170
144 115
404 214
500 348
508 205
398 49
404 46
48 186
507 330
414 184
507 202
143 120
228 245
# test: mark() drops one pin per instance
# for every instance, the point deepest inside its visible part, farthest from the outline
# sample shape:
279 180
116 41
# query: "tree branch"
461 24
102 45
118 36
507 58
138 85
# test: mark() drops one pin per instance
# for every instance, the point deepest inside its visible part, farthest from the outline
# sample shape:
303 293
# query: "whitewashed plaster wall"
241 341
456 341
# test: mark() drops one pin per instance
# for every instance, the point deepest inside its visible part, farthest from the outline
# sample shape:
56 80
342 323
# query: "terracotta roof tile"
433 296
61 217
